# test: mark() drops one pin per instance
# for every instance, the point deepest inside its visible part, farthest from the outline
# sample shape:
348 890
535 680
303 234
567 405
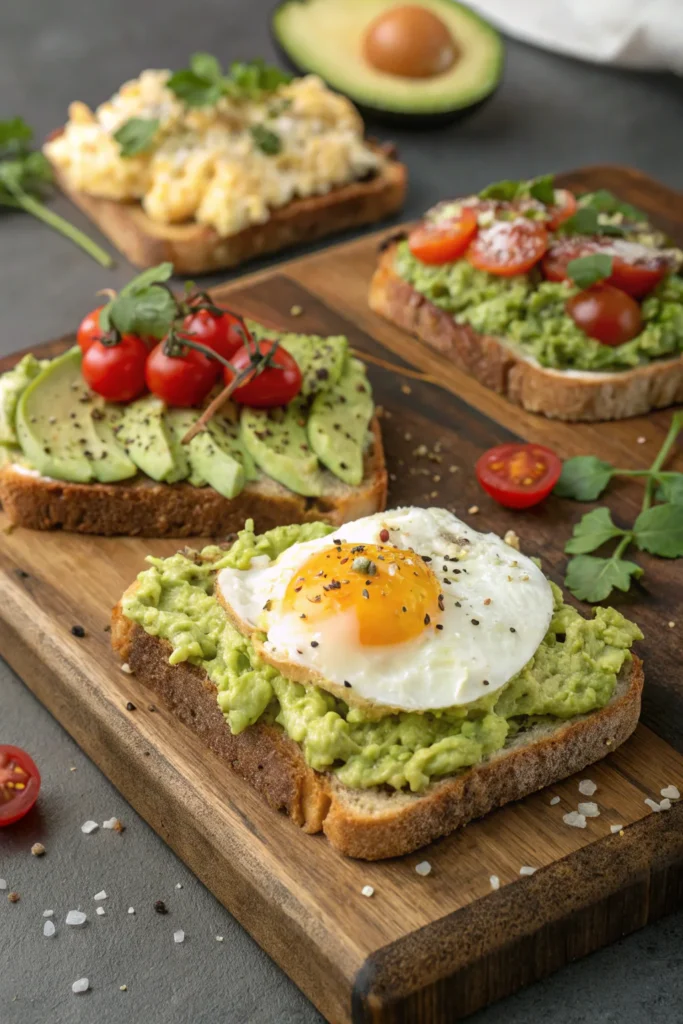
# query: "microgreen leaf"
659 530
203 83
588 270
206 66
593 579
136 135
267 141
500 190
592 531
584 478
671 489
603 201
543 189
195 90
154 275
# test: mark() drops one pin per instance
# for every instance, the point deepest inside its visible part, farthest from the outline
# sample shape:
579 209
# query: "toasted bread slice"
373 824
195 248
144 508
502 366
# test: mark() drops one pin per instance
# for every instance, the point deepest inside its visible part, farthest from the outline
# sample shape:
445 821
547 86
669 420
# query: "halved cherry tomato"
224 334
564 207
117 372
276 384
508 247
89 330
442 242
605 313
184 380
518 475
634 271
19 783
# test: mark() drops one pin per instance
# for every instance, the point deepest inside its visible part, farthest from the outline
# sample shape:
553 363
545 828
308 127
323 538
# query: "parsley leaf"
203 83
593 579
195 90
584 478
603 201
592 531
206 66
267 141
136 135
588 270
543 189
142 307
500 190
659 530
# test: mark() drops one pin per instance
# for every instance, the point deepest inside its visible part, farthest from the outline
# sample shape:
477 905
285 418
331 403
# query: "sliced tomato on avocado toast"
443 241
518 475
605 313
19 783
508 247
635 268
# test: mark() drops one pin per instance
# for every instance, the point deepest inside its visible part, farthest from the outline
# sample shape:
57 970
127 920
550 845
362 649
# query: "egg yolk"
393 593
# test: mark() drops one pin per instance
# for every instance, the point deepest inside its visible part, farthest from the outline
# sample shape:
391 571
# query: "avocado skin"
392 118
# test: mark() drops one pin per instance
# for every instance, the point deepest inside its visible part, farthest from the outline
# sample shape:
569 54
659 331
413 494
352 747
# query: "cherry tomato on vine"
441 242
89 330
19 783
224 334
184 379
632 271
508 247
606 314
518 475
277 383
117 371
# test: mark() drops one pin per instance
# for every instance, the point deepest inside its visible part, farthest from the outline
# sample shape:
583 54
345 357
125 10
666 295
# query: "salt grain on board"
589 810
100 895
652 804
665 805
575 819
3 884
587 787
82 985
131 910
555 800
110 823
527 871
100 911
76 918
670 792
48 913
367 890
423 868
615 828
179 936
89 826
49 929
494 882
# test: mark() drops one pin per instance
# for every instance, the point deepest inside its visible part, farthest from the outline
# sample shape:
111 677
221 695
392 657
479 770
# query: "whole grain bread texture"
195 248
141 507
502 367
375 824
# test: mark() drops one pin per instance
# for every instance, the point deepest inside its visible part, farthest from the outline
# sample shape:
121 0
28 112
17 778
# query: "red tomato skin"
606 314
633 278
116 372
21 804
224 334
562 211
437 243
184 380
508 248
89 330
500 485
276 385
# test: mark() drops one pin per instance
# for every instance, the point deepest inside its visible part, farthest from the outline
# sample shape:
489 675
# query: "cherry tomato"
564 207
508 247
605 313
117 372
183 380
443 241
19 783
518 475
633 270
89 330
224 334
277 384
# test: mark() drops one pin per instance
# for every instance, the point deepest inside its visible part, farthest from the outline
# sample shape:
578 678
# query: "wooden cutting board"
421 948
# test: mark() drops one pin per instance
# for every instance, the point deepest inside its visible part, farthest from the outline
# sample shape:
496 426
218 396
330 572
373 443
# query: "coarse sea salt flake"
110 823
665 805
89 826
587 787
3 883
555 800
131 910
526 870
494 882
48 913
82 985
652 804
49 929
589 810
76 918
670 792
125 667
100 911
367 890
615 828
179 936
575 819
423 868
101 895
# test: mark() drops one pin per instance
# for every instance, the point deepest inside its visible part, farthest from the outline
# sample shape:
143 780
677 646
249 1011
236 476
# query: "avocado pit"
411 42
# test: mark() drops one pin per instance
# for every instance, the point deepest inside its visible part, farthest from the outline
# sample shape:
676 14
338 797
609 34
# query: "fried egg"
410 609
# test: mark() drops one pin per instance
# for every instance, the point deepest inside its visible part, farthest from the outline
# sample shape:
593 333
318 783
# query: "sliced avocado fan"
278 442
338 424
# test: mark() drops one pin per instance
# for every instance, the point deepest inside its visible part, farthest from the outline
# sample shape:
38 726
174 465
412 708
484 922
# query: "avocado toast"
405 736
76 462
503 299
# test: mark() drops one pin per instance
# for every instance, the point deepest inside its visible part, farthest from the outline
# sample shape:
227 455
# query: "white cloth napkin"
646 34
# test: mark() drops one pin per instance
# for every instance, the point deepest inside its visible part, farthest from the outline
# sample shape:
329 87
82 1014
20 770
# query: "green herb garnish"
588 270
203 83
267 141
658 529
541 189
603 201
145 306
136 135
25 175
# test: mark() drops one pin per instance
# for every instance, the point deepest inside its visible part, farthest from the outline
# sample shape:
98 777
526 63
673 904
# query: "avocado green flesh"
326 37
145 436
338 424
177 423
573 672
12 384
278 442
533 315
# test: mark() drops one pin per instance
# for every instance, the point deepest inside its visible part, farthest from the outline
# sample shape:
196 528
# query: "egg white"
497 609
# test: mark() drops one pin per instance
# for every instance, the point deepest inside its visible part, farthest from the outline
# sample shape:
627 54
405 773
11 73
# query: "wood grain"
421 949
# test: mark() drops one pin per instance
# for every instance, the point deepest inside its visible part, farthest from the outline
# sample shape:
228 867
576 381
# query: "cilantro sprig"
25 176
203 83
658 529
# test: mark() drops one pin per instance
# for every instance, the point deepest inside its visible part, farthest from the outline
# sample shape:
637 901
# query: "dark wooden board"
421 949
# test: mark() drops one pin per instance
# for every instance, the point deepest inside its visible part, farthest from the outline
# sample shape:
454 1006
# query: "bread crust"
556 394
149 509
366 824
195 248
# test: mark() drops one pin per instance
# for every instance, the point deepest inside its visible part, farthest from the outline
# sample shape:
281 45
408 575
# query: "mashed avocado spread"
573 672
533 314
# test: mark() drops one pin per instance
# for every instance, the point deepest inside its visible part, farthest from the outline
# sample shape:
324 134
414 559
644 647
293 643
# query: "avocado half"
325 37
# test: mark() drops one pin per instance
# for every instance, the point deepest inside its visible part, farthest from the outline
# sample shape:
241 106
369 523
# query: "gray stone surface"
551 113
